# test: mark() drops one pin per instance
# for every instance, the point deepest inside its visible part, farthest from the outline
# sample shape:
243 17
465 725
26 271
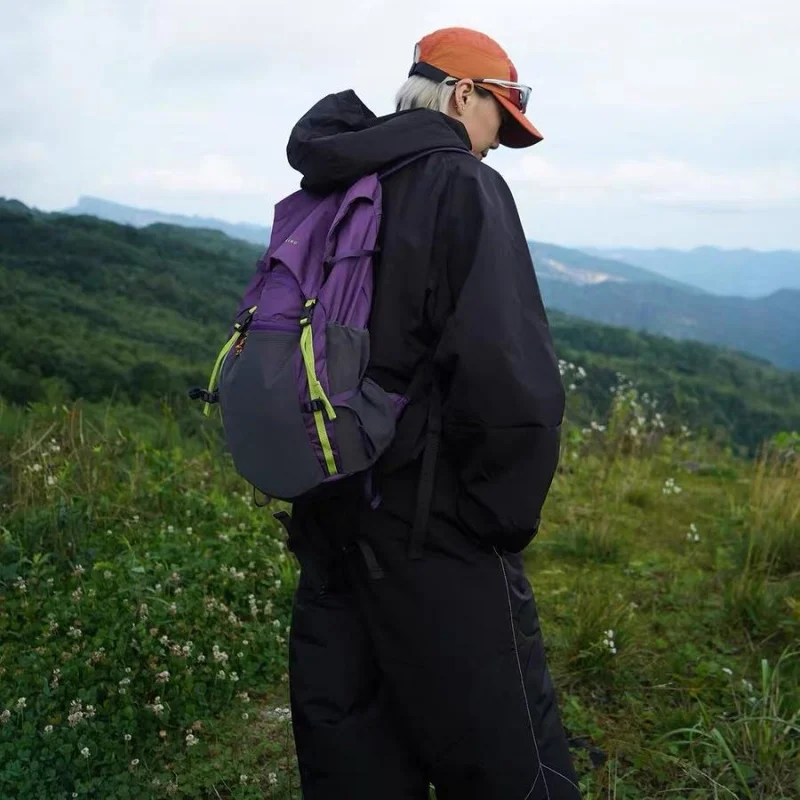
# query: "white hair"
419 92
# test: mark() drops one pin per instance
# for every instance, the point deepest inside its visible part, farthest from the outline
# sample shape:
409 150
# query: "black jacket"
455 278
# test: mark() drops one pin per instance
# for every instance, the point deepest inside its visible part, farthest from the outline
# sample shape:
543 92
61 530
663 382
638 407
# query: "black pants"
431 672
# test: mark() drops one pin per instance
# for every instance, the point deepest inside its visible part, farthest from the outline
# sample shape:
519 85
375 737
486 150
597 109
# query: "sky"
666 124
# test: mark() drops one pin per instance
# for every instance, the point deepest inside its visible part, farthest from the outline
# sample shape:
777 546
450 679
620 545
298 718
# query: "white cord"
522 682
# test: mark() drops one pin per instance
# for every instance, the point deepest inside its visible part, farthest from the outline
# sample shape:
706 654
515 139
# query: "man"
416 656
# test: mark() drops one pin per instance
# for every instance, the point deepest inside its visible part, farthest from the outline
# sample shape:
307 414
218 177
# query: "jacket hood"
339 140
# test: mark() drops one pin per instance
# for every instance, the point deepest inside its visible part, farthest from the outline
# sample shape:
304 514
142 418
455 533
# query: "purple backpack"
297 409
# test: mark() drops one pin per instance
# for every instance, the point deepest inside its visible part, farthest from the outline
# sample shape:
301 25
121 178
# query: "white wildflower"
48 728
163 677
272 779
191 739
76 715
85 752
157 707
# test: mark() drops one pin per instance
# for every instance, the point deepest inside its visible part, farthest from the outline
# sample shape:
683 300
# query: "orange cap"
464 53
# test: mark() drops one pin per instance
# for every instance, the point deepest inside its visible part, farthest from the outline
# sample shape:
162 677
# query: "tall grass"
663 565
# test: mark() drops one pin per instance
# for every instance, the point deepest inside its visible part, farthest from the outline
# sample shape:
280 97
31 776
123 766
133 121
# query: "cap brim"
519 131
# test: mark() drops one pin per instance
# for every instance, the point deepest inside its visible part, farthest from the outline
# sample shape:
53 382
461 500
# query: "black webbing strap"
427 474
375 571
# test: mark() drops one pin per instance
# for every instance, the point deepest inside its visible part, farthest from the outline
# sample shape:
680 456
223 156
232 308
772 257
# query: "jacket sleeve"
504 399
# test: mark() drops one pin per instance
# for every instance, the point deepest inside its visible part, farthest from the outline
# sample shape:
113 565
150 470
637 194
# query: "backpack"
298 411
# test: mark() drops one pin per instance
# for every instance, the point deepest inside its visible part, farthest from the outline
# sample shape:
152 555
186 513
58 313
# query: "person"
416 669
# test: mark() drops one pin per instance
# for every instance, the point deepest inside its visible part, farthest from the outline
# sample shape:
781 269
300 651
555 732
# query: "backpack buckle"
313 406
308 311
198 393
244 319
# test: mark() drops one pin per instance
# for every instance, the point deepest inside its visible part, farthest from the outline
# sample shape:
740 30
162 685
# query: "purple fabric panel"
252 294
347 293
302 249
281 302
289 212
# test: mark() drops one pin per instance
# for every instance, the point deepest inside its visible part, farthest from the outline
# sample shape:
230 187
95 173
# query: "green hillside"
146 601
92 309
768 327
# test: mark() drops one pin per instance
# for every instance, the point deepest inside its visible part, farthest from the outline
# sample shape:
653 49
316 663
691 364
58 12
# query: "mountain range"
93 309
748 273
600 288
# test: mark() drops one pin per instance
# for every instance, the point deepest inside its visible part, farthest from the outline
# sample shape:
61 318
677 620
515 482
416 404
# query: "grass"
138 580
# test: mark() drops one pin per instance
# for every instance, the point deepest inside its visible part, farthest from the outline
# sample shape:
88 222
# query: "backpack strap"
416 156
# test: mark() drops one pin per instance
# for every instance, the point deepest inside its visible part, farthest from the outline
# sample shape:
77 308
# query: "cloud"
210 174
186 105
666 182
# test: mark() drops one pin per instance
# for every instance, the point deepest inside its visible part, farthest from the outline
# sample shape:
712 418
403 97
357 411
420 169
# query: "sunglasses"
519 93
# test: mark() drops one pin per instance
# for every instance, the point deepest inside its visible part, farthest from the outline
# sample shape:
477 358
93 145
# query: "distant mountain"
582 269
768 327
141 313
140 218
585 285
748 273
558 263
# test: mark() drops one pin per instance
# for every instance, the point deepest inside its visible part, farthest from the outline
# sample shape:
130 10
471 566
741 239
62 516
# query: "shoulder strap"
416 156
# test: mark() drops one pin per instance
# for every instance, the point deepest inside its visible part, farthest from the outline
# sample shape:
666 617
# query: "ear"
464 90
